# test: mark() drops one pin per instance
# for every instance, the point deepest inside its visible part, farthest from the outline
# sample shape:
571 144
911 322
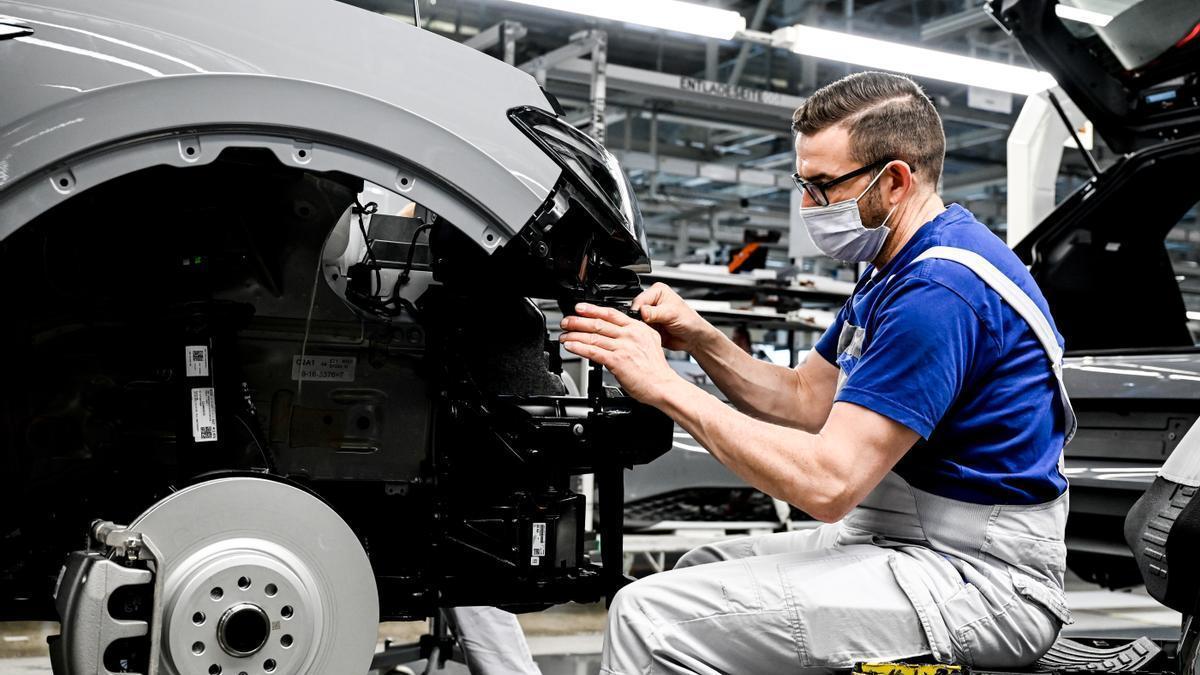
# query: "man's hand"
679 325
630 349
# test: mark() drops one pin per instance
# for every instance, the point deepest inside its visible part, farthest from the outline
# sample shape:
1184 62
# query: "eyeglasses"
819 191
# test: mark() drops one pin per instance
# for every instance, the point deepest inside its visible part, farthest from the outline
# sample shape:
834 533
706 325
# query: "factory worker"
926 430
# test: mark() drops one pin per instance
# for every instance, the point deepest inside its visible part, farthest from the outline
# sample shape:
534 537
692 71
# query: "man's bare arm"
825 474
799 397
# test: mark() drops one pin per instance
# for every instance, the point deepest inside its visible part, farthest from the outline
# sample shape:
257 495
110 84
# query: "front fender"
184 120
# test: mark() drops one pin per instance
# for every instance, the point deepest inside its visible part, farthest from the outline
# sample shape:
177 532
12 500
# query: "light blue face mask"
838 232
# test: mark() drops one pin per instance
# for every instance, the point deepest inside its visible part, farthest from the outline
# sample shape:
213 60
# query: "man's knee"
636 602
629 631
698 556
719 552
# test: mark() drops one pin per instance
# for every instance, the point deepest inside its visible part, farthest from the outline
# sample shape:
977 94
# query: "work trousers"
782 602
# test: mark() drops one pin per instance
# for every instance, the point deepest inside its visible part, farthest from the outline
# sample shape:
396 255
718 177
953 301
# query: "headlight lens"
593 168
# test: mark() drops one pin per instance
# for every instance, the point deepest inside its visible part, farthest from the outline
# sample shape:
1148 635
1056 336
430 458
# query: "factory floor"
566 640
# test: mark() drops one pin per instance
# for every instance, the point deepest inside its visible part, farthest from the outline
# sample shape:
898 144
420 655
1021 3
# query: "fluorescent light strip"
674 15
918 61
1098 19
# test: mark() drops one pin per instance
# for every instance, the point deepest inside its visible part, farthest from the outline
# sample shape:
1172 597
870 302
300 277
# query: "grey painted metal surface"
308 71
1172 376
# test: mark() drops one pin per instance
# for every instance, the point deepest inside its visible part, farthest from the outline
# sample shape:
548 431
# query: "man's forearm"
783 462
760 389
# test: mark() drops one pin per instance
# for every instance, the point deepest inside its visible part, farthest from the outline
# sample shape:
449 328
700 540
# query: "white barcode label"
539 540
204 414
197 361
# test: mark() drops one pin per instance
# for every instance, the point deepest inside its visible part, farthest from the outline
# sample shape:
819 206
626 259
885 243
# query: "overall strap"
1020 301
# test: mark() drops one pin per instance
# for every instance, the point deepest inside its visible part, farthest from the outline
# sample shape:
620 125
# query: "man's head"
864 119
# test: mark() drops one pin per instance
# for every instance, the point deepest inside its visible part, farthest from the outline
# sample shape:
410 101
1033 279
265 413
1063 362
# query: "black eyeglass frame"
818 191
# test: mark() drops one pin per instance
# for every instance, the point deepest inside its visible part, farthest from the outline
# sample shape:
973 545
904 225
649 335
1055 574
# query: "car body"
1113 258
180 223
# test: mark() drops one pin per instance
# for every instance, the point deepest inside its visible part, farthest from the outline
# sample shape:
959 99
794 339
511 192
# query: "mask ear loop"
871 184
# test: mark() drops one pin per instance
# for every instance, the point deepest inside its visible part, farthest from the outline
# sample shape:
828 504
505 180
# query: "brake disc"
260 577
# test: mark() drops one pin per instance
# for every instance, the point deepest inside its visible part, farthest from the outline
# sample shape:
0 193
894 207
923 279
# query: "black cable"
370 209
394 305
412 251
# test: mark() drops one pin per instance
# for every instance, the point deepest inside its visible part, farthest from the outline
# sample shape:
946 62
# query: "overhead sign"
990 100
733 91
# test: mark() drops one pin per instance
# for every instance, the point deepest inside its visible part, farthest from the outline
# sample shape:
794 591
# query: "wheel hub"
243 630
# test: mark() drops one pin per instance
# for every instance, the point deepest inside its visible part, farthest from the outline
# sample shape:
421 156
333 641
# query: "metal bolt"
577 429
542 249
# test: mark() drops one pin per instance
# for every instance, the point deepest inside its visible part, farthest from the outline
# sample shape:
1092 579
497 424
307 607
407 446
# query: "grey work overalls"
907 573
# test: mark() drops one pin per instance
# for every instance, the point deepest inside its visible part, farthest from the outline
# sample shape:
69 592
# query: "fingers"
589 352
585 325
593 339
606 313
650 296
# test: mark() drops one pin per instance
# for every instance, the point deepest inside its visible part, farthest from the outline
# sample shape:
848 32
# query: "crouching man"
925 429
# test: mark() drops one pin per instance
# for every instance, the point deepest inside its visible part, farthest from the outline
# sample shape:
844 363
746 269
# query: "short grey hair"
888 117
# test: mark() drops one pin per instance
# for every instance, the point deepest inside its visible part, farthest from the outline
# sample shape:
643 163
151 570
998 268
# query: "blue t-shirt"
944 355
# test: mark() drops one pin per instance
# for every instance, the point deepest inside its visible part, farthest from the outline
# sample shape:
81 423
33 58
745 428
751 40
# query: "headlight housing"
601 187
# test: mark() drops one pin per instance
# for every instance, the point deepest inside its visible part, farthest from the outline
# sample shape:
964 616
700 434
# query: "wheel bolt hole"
198 618
244 583
286 641
269 665
214 669
216 593
197 648
270 590
287 611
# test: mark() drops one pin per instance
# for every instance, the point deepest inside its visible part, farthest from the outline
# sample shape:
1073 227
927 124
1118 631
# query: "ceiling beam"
955 25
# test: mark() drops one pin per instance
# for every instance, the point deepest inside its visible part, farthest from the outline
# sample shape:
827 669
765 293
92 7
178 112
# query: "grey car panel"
1170 376
372 83
187 121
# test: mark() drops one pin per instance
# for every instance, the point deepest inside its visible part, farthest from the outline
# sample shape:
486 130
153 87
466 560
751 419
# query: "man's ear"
897 182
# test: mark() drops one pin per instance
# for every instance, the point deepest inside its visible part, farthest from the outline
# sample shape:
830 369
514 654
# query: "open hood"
1130 65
